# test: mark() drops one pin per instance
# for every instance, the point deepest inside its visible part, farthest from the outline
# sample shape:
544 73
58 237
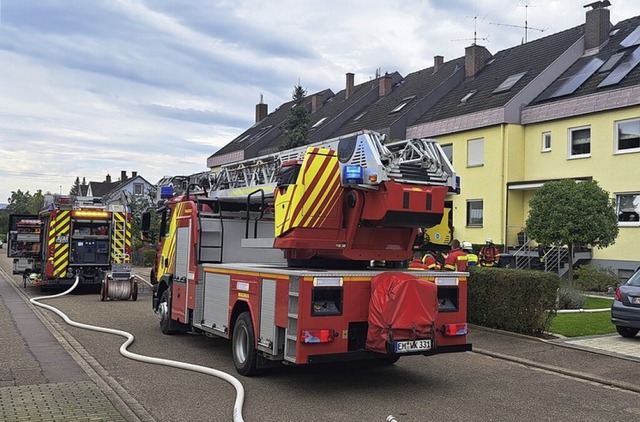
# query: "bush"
513 300
593 278
569 298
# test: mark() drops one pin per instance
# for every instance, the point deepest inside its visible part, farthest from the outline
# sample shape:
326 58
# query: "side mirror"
145 224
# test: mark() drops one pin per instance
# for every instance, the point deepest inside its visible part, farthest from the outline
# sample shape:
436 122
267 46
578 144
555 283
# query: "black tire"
164 307
134 295
243 346
103 291
627 332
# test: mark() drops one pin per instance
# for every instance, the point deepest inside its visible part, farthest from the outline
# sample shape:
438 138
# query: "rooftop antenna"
526 22
475 28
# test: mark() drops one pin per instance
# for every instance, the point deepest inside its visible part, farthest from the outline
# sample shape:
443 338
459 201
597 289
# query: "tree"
75 189
25 203
566 212
296 127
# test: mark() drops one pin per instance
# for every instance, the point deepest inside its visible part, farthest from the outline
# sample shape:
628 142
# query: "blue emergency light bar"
352 174
166 192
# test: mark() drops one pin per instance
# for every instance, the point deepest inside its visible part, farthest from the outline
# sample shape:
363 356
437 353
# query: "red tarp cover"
402 307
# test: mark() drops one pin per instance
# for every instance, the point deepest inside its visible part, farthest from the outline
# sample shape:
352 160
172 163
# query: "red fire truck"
82 236
278 256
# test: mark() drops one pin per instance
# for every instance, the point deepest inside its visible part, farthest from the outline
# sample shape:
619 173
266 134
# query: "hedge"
518 301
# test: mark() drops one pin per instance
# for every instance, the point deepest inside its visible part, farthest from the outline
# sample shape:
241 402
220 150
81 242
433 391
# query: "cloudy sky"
90 88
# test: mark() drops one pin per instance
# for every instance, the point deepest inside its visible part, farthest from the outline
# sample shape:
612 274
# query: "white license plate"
636 300
412 346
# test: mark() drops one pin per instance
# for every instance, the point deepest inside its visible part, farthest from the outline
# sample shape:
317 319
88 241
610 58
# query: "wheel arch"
238 308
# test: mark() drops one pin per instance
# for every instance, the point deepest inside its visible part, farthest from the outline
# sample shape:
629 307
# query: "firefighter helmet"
489 240
466 246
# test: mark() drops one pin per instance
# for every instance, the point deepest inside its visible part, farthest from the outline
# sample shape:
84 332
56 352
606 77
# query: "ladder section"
291 338
211 231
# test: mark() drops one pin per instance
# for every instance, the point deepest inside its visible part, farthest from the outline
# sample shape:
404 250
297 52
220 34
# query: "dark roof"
102 188
267 128
332 110
532 58
570 84
414 87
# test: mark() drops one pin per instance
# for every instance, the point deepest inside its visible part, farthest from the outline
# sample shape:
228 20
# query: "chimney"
597 26
475 57
349 89
438 61
123 175
134 174
384 87
108 178
261 110
316 103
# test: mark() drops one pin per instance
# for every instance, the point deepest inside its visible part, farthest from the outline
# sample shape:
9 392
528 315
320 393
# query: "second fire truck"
277 256
82 236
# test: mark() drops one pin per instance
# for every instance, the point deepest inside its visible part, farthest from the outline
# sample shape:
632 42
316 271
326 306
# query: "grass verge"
579 324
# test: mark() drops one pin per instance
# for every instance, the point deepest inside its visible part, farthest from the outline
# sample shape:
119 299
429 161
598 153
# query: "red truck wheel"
243 345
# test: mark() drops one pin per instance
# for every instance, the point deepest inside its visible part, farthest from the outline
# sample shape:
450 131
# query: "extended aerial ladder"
419 161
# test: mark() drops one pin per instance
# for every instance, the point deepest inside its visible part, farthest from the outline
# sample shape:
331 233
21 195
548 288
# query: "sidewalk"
616 361
39 378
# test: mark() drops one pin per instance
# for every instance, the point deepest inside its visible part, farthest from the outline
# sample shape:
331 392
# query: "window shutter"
475 152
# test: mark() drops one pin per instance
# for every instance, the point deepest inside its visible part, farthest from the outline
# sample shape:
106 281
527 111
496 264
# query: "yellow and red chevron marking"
120 238
58 244
169 243
321 180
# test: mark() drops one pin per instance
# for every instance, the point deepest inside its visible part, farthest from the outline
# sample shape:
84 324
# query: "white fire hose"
237 408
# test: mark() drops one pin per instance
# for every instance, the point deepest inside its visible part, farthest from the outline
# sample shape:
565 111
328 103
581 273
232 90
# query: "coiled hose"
237 407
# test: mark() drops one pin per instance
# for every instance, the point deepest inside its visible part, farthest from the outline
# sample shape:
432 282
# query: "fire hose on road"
237 408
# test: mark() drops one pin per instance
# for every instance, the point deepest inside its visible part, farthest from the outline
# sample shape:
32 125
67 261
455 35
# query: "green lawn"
585 323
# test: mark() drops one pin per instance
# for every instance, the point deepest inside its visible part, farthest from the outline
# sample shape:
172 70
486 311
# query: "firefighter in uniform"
430 261
489 254
455 260
472 258
416 263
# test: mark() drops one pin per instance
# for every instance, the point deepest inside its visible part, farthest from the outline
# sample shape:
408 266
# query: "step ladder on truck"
276 256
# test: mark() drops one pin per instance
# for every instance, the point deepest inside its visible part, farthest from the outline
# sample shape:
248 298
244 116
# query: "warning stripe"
319 164
325 199
60 226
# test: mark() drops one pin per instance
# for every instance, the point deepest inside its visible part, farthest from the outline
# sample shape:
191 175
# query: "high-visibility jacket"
430 262
472 259
417 264
489 256
456 260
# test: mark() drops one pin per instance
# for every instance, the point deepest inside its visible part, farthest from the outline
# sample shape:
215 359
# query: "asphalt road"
459 387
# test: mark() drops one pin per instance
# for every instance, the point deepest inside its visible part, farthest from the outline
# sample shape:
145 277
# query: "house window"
318 123
628 136
402 104
628 208
475 210
546 141
580 142
138 189
475 152
448 151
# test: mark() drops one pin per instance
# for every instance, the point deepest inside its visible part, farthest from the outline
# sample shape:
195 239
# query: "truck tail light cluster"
452 330
317 336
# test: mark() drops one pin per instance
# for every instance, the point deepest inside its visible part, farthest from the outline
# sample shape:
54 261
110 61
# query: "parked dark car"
625 311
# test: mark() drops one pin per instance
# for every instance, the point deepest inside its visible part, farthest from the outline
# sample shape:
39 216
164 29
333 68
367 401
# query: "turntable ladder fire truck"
277 256
24 242
84 237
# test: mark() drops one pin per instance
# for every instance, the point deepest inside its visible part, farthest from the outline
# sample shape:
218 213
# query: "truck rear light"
317 336
452 330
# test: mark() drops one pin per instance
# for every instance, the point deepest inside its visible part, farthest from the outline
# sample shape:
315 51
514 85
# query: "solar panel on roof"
632 39
578 79
613 60
622 70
